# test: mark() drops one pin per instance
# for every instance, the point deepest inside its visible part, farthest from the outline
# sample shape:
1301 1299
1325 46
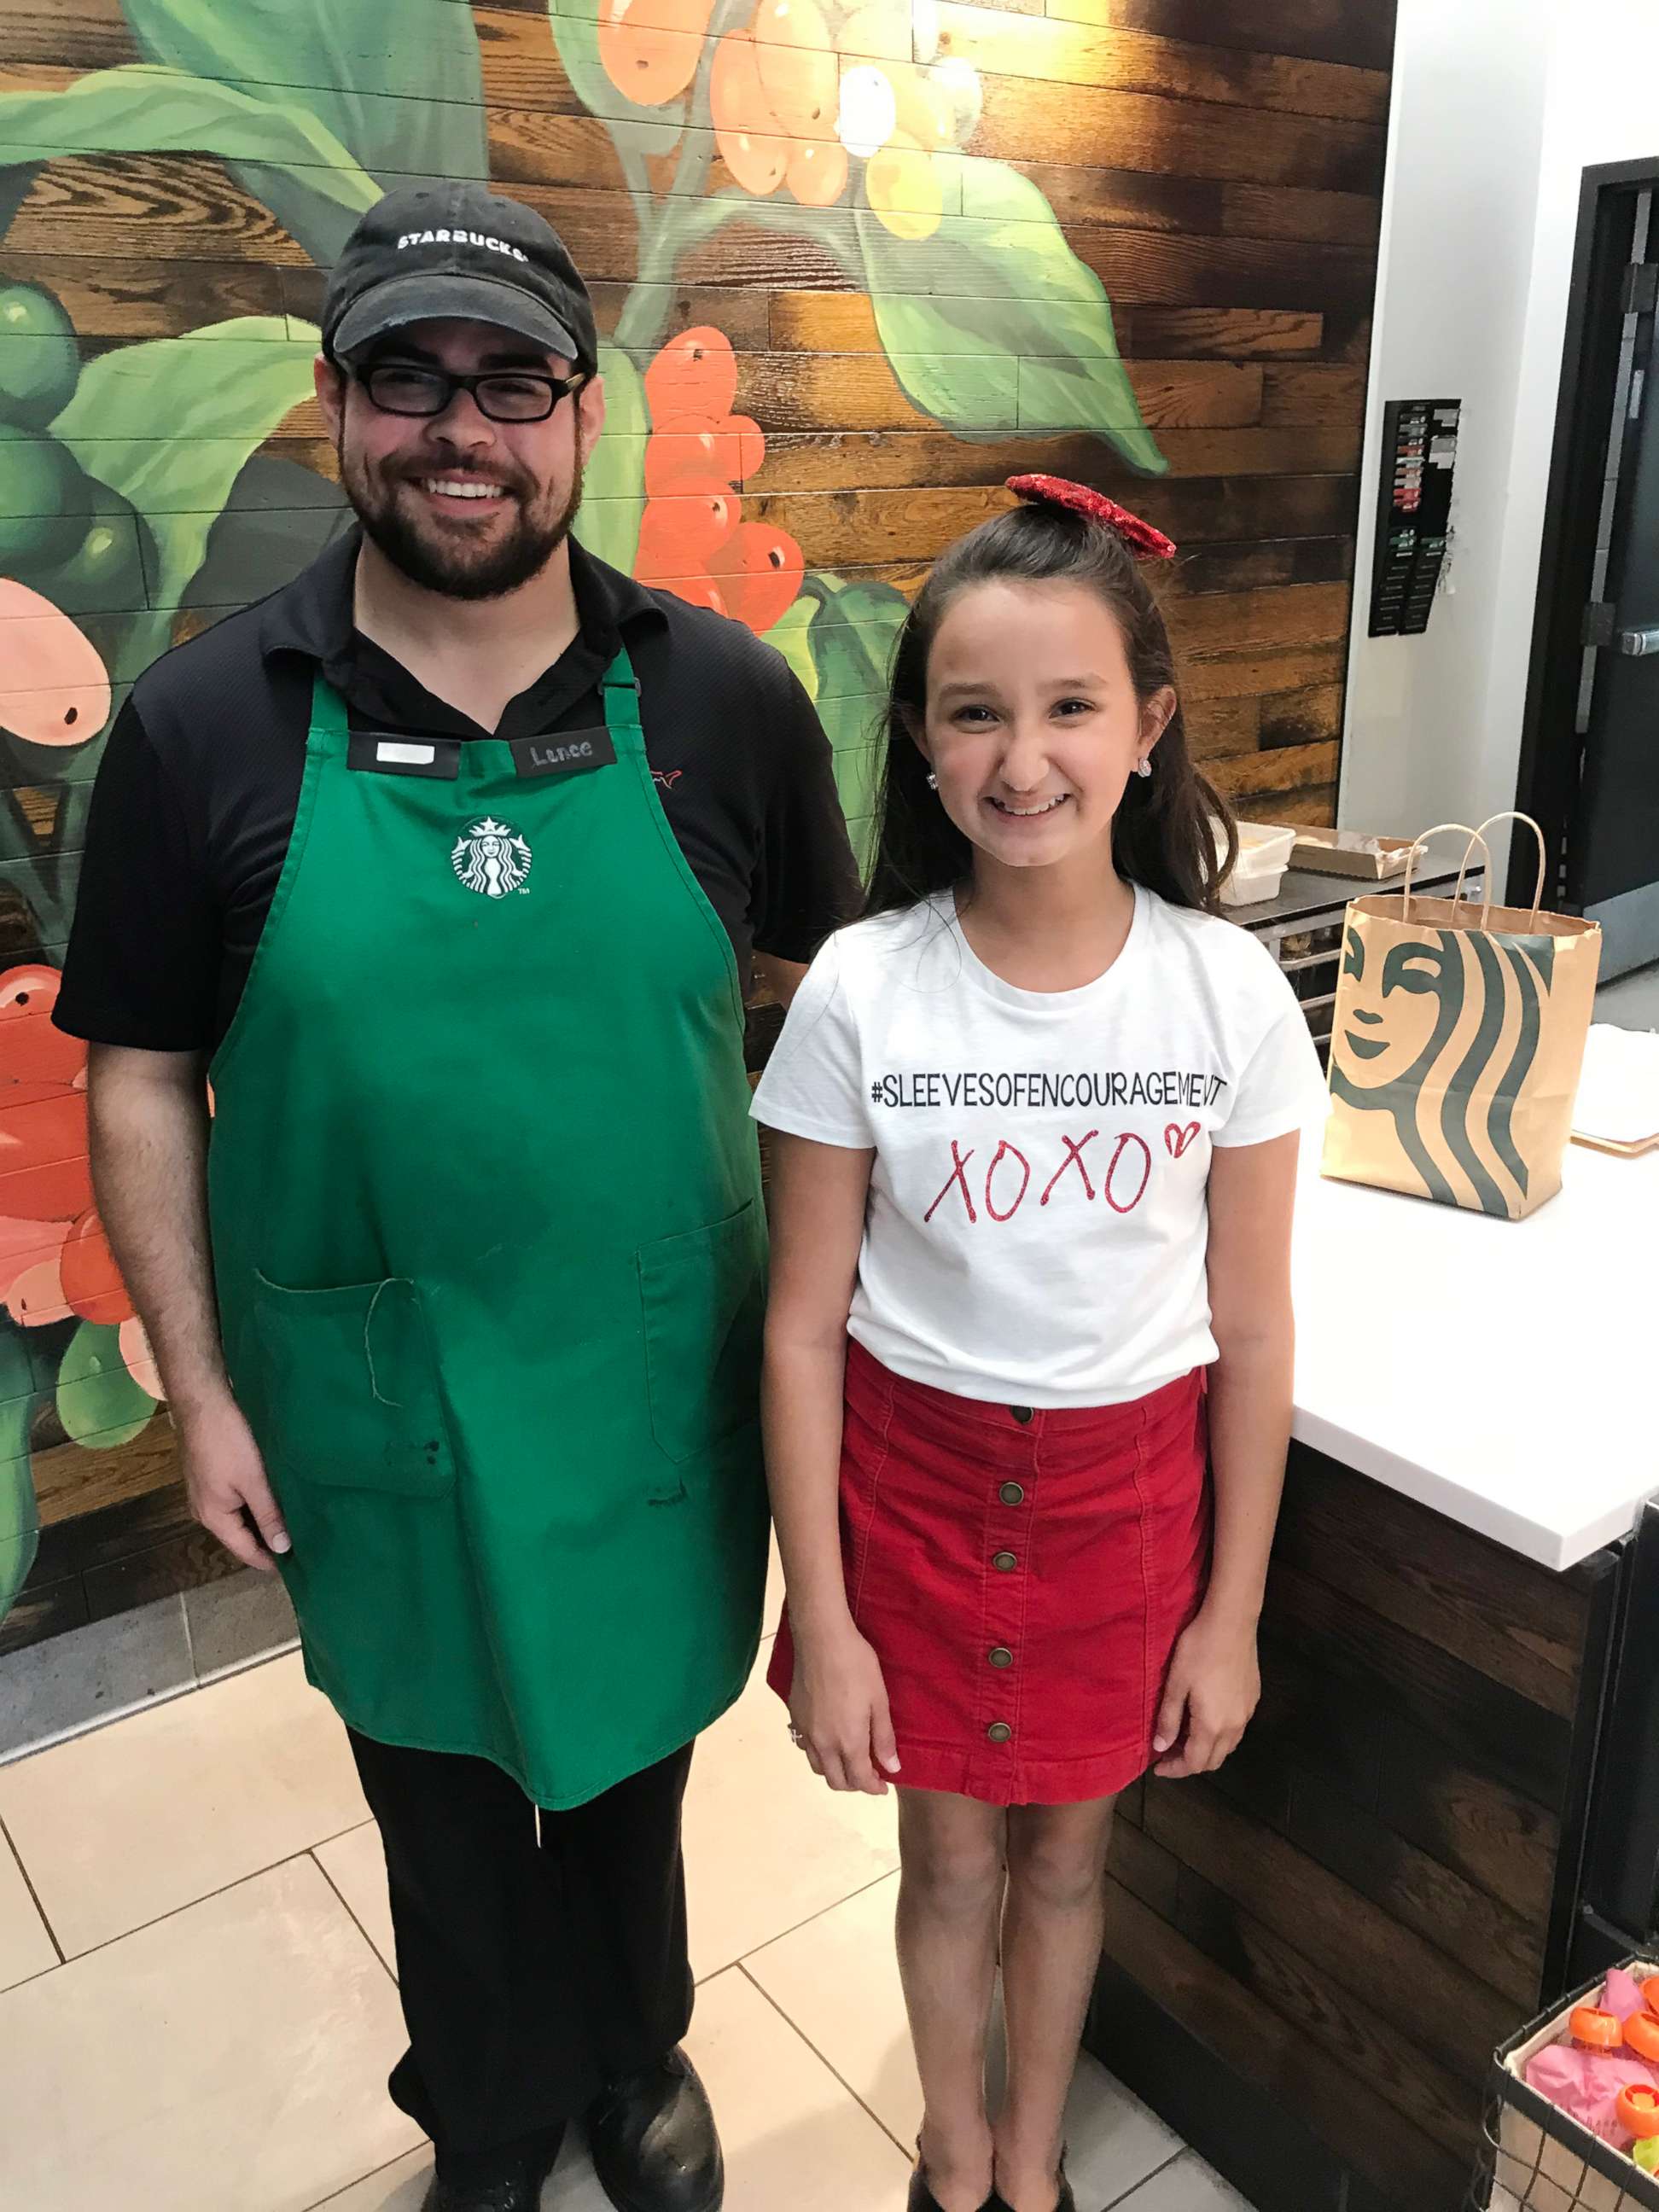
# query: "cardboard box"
1351 853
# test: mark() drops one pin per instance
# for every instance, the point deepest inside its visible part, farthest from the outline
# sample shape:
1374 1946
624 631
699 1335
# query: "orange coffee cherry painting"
92 1282
749 135
693 540
799 72
695 374
650 49
805 90
55 1259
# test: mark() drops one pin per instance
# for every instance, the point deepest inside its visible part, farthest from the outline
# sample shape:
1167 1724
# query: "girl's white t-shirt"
1038 1221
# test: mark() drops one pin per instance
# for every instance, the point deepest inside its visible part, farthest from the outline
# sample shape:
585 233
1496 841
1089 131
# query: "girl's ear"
1155 715
917 726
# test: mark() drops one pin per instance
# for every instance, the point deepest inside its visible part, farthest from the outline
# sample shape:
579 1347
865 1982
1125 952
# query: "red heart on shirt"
1177 1140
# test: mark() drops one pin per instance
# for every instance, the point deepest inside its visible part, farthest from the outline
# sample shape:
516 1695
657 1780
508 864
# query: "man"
445 864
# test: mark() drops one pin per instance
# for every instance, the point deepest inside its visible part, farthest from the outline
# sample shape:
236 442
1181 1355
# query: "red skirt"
1022 1577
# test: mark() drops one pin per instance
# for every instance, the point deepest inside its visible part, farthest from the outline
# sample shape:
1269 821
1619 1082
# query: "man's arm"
782 978
148 1118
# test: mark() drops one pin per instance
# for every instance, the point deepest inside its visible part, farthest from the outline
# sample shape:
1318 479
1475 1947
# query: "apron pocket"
349 1388
703 1298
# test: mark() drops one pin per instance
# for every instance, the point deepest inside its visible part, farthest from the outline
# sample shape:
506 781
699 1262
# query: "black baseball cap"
431 251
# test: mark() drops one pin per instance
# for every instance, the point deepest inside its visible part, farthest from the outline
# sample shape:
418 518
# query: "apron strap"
619 688
329 717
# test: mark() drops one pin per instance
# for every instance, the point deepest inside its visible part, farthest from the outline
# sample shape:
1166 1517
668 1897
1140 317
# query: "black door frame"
1547 776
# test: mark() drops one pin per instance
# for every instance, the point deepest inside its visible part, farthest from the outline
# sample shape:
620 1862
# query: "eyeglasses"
505 395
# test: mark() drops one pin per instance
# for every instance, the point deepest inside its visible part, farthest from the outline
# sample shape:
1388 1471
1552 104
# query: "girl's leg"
1051 1938
951 1891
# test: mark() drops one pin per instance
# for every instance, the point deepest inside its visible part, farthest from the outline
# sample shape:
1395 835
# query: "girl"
1034 1148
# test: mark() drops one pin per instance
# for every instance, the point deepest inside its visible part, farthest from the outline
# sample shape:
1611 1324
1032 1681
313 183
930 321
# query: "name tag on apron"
384 752
567 753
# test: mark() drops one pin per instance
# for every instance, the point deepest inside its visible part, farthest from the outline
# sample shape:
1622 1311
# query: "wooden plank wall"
1351 1915
1217 163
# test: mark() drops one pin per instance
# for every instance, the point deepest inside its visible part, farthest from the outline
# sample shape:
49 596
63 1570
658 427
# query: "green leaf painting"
99 1401
853 630
401 88
226 387
791 637
866 619
19 1519
305 175
996 327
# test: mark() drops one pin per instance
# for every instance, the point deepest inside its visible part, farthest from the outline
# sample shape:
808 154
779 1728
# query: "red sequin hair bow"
1094 507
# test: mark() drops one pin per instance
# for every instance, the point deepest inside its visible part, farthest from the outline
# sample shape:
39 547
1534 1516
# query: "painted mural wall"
855 262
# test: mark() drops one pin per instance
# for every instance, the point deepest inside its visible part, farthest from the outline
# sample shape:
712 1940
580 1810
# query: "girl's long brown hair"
1161 836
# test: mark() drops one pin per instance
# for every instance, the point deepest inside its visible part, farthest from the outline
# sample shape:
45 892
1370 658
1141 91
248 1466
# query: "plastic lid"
1638 2109
1596 2029
1641 2035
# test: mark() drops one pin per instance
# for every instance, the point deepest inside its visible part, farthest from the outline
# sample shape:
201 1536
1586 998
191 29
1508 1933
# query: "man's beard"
439 560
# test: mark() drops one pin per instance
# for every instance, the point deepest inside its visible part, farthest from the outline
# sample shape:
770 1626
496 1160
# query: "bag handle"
1515 815
1474 838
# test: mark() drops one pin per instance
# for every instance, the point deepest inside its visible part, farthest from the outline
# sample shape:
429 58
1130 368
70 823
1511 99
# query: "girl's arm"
817 1200
1214 1681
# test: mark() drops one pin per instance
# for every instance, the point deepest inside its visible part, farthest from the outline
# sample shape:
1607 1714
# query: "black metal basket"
1536 2157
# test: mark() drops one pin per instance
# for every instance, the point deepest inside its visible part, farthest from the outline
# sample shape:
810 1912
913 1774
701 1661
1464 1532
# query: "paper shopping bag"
1456 1043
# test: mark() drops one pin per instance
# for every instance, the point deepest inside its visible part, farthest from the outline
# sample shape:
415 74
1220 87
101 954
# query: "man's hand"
230 1492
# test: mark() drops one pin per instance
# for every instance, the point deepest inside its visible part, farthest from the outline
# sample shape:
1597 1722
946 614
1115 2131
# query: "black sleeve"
143 964
808 882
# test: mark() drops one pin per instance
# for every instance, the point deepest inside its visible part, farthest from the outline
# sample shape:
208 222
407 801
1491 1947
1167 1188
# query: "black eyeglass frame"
556 387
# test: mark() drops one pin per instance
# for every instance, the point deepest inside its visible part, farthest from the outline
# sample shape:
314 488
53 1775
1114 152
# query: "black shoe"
653 2143
1065 2202
515 2187
922 2199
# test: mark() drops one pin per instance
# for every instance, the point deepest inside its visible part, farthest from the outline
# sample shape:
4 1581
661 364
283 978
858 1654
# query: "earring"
932 781
1144 766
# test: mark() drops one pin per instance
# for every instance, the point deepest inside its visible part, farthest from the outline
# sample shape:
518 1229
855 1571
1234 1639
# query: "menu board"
1414 512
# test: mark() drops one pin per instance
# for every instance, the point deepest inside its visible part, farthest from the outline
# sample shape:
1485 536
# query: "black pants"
539 1956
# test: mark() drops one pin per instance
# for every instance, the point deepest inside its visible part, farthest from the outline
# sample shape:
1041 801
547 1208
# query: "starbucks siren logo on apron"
491 858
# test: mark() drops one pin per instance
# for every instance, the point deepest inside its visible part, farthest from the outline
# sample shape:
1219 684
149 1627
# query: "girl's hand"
1213 1686
840 1707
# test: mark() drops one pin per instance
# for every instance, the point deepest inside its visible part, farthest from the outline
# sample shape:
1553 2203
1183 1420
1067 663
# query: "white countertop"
1502 1372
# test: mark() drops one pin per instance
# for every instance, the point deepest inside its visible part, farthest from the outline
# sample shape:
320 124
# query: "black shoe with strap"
653 2142
513 2185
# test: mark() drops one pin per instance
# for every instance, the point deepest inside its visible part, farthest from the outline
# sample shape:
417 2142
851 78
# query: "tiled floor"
199 2010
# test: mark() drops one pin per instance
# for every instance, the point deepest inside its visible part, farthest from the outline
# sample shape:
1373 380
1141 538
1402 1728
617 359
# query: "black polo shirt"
196 798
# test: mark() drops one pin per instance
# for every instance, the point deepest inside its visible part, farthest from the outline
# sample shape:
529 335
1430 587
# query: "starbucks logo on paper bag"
491 858
1440 1032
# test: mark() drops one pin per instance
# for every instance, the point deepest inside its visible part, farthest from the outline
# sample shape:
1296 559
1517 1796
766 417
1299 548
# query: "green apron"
490 1251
